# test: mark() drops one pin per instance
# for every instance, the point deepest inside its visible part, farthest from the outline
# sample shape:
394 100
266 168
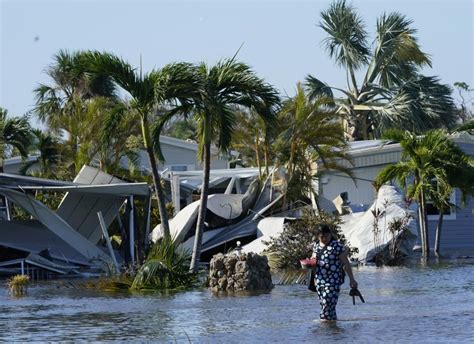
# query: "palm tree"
458 172
221 88
443 205
15 132
147 90
310 132
70 104
392 93
252 137
433 165
166 267
47 147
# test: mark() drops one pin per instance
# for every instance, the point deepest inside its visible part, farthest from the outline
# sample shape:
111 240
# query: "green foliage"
15 133
49 198
431 166
253 138
166 267
347 37
297 238
213 95
185 129
217 91
48 163
310 133
393 93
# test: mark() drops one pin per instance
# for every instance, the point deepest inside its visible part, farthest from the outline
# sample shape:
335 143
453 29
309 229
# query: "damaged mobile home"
231 216
69 239
245 214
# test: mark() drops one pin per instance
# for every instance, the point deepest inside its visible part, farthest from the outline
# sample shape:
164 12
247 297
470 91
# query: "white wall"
362 191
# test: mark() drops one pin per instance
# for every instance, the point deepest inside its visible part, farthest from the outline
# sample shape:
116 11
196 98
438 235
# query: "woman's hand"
353 283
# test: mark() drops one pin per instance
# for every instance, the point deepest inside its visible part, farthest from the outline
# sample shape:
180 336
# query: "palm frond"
157 127
15 132
397 56
166 267
103 64
346 42
317 88
468 126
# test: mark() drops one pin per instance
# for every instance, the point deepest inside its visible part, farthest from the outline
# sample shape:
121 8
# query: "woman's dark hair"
324 229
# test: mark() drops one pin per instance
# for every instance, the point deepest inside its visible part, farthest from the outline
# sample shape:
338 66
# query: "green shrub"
296 240
166 267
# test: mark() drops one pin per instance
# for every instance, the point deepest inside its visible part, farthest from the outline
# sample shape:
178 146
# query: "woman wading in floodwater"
331 258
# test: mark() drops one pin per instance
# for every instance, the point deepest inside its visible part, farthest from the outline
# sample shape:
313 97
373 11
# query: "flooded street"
431 304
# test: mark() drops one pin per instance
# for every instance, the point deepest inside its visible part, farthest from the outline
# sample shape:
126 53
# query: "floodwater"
432 304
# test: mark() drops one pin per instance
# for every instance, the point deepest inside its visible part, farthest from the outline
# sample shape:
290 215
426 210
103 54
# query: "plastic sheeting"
359 227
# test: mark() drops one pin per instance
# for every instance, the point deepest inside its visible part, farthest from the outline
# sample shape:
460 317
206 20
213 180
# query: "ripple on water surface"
429 304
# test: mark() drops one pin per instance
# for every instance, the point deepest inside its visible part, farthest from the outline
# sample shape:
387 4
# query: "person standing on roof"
331 261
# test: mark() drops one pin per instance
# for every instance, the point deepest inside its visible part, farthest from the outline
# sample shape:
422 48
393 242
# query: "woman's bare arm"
348 268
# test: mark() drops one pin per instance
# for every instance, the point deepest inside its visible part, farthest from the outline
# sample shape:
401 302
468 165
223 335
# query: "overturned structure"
230 216
68 239
387 226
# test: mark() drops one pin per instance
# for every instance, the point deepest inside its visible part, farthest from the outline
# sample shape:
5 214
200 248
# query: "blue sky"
281 40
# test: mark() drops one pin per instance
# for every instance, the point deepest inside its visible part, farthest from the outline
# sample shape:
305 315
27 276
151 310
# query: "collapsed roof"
72 232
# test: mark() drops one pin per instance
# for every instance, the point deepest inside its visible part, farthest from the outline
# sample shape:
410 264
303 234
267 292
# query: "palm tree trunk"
3 199
266 156
438 233
426 243
354 82
365 127
156 179
257 154
202 209
421 225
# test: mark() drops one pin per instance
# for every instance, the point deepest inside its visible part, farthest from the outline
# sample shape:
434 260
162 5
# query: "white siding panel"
360 192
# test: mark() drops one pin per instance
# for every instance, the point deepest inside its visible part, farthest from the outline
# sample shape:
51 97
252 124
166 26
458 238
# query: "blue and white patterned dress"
328 277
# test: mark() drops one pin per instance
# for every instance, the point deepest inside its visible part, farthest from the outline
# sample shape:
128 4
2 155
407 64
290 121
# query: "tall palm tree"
221 88
393 93
432 165
458 172
69 103
15 132
310 132
171 83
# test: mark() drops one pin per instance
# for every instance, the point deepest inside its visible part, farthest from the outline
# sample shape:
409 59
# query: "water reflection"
399 302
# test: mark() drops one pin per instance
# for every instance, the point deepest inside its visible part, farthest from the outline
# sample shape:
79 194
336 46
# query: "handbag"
311 285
